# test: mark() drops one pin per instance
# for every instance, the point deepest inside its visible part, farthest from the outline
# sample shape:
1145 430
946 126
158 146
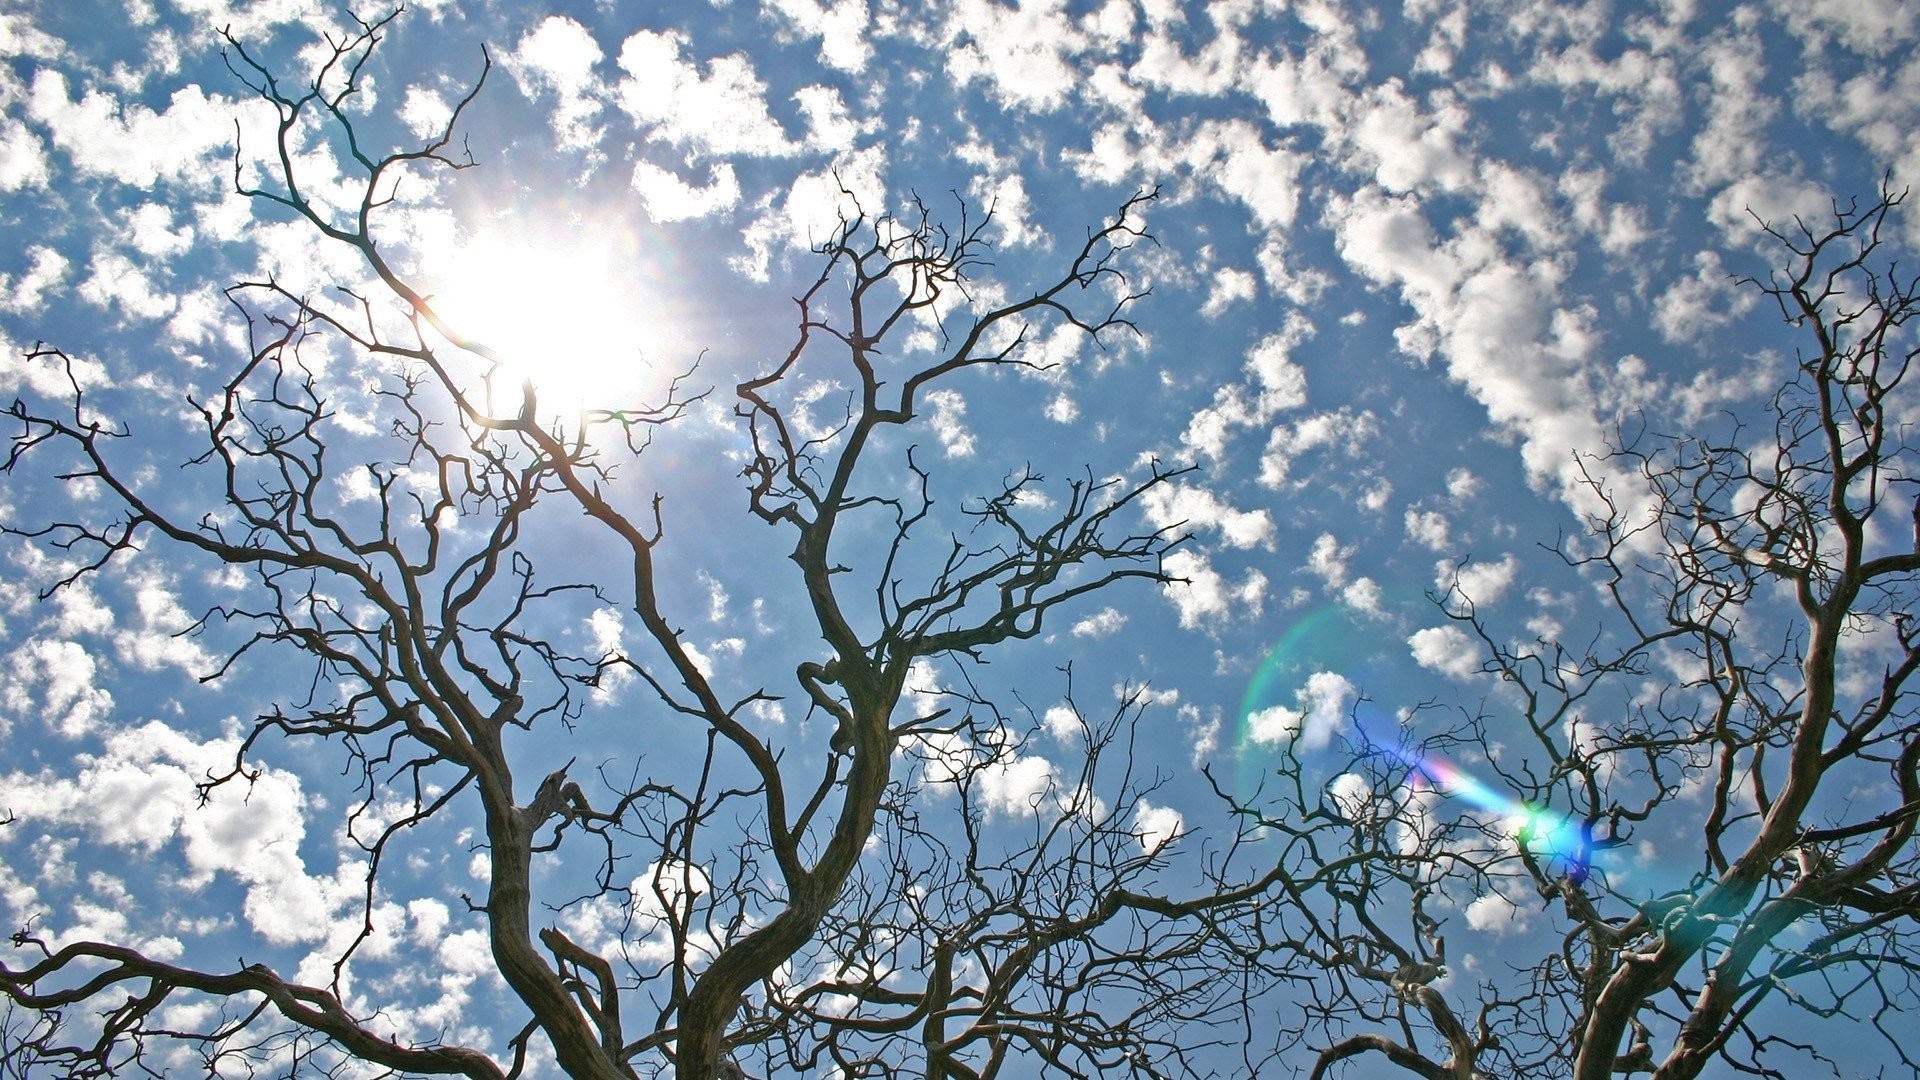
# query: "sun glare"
573 315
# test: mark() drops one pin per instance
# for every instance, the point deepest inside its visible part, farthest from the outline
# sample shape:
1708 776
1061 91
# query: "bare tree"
1753 702
810 909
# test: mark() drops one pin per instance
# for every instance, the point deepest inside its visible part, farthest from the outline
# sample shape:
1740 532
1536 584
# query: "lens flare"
1556 837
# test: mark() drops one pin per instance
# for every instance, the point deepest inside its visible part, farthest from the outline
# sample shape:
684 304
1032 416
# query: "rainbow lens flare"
1562 840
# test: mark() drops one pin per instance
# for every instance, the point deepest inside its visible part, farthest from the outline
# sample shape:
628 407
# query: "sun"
575 315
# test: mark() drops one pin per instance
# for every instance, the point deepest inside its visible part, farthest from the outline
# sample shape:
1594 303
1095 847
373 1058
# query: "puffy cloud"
1156 826
947 417
557 57
1230 287
604 629
130 142
140 793
722 112
1428 528
1481 583
1353 433
1446 649
1354 797
1024 53
25 294
1408 148
839 26
1276 384
1494 913
1063 723
54 680
159 636
668 198
1205 597
116 280
1324 701
1107 620
1017 785
1327 560
1195 508
23 157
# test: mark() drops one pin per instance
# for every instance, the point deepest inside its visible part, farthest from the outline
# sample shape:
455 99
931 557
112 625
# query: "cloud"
55 681
140 793
1102 623
1194 508
1024 54
557 57
722 112
840 27
132 143
1447 650
1205 598
1275 384
1327 560
1324 702
604 629
947 417
23 157
1156 826
1482 583
668 198
43 276
1428 528
1493 913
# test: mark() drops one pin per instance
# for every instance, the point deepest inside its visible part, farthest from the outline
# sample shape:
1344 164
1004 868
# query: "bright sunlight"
576 315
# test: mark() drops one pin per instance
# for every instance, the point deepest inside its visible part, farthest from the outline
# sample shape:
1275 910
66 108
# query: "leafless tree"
1752 701
810 907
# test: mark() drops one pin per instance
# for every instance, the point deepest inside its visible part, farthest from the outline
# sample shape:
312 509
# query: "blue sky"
1414 267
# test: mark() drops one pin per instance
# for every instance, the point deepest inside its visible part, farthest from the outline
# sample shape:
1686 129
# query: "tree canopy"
851 699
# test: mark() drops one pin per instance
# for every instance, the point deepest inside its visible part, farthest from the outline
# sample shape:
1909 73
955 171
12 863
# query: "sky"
1414 268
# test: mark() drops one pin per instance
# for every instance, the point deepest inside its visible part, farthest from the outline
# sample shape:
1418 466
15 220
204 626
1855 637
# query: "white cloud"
1327 560
1407 148
47 270
1230 287
1024 53
1352 433
841 27
1205 598
116 280
1062 410
1205 728
160 637
1194 508
1482 583
722 112
1447 650
947 417
1494 913
1276 384
141 793
23 157
1018 785
1428 528
1106 621
668 198
130 142
1695 305
604 629
1063 723
54 680
558 57
1324 701
1156 826
1354 797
